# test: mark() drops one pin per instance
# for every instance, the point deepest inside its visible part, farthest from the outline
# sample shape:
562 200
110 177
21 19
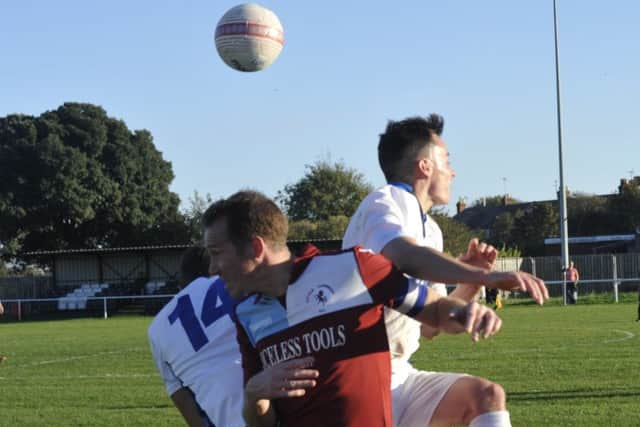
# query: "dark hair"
249 214
402 141
194 263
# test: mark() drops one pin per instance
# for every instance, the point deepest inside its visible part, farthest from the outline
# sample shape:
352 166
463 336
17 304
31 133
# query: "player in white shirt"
193 341
393 221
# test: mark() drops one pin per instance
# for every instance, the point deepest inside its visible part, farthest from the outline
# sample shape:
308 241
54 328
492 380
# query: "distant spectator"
638 319
2 358
498 304
491 296
572 276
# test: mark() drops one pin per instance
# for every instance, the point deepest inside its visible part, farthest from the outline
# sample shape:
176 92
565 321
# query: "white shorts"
416 400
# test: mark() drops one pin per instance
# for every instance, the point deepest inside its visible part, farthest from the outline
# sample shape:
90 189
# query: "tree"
589 215
320 204
500 234
532 226
456 234
75 178
193 215
332 228
326 190
625 206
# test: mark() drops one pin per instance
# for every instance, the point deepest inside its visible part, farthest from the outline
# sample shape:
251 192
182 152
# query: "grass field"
561 366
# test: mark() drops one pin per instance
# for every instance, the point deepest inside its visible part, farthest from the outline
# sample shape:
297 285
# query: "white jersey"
193 341
384 215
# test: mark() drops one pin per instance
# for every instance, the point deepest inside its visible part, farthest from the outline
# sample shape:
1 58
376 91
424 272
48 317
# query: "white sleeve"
435 241
378 225
171 382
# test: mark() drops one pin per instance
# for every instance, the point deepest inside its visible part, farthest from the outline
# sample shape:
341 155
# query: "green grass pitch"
560 366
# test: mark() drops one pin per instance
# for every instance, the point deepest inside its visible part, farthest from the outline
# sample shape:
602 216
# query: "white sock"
492 419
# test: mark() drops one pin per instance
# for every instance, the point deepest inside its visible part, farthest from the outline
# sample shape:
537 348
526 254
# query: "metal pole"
562 194
615 278
104 306
533 266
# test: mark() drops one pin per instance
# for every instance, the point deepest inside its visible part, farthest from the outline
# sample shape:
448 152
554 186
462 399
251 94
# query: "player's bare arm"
429 264
186 404
288 379
481 255
453 316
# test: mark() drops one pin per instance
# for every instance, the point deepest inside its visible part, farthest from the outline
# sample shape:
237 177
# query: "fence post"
615 277
533 266
19 310
104 306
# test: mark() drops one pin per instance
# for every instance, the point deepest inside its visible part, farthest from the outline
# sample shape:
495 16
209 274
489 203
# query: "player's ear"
425 167
258 248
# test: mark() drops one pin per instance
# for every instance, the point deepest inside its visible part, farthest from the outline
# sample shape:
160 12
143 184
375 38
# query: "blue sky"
346 68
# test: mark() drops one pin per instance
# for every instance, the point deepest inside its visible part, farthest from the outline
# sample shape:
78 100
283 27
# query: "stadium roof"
87 251
106 250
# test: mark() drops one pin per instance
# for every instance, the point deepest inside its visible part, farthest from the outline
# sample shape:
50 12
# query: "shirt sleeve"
171 382
377 225
388 286
250 359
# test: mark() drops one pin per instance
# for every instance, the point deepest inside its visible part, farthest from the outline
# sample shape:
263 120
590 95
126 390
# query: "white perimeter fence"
82 306
610 274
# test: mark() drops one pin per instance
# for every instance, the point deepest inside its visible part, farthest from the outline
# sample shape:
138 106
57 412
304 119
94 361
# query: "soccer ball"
249 37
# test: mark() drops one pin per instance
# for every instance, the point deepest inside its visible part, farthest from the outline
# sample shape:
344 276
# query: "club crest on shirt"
320 296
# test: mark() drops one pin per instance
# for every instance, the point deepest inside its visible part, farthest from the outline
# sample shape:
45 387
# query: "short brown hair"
249 214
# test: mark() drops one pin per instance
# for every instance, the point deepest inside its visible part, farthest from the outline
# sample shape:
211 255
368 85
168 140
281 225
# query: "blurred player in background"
393 220
193 341
2 358
572 276
638 319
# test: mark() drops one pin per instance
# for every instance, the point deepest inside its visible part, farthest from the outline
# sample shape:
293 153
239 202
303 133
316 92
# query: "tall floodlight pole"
562 194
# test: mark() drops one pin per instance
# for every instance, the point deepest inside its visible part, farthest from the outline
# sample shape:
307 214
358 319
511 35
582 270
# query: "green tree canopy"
330 228
625 206
456 234
324 191
532 226
74 177
589 215
198 204
500 234
320 204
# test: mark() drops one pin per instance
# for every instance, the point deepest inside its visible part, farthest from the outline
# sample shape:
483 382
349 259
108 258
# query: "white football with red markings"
249 37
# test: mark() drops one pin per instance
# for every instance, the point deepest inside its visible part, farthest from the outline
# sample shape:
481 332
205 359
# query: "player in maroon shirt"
311 330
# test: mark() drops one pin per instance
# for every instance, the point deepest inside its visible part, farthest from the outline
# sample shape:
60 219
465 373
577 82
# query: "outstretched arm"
453 316
429 264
